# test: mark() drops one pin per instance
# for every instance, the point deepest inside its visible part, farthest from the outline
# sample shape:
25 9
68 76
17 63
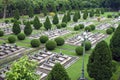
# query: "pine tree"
58 73
115 44
75 17
30 12
55 19
79 16
64 18
16 28
28 29
36 23
68 16
17 14
99 65
92 13
47 24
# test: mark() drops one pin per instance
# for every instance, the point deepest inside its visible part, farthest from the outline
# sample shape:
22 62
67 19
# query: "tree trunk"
5 9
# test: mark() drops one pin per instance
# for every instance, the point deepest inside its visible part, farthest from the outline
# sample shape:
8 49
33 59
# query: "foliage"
50 45
88 29
100 62
1 33
63 24
30 12
109 16
55 19
115 44
35 43
23 69
47 23
77 27
60 41
28 29
11 39
58 73
79 50
16 15
43 39
58 26
81 26
36 23
92 27
85 15
21 36
65 18
109 31
16 28
75 17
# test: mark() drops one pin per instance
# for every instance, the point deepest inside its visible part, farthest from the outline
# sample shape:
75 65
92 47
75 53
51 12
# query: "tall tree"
58 73
75 17
64 18
24 69
68 16
16 28
99 65
115 44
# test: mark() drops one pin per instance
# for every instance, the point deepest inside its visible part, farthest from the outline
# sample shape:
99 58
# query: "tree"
55 19
28 29
16 28
79 16
58 73
45 10
92 13
68 16
23 69
47 23
75 17
30 12
64 18
85 15
16 15
115 44
36 23
99 65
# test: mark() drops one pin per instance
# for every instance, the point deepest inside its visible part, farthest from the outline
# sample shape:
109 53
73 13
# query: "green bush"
63 25
87 45
113 28
36 23
44 39
109 16
76 28
58 26
109 31
1 33
16 28
28 29
92 27
88 29
47 23
81 26
79 50
21 36
6 21
11 39
50 45
13 20
85 15
60 41
35 43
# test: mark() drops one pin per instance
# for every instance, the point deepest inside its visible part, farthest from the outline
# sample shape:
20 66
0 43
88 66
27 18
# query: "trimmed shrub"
85 15
47 23
87 45
109 16
75 17
60 41
17 14
76 28
55 19
36 23
43 39
68 16
1 33
58 26
64 20
31 12
79 50
109 31
113 28
50 45
21 36
88 29
28 29
6 21
35 43
92 27
81 26
16 28
63 25
11 39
